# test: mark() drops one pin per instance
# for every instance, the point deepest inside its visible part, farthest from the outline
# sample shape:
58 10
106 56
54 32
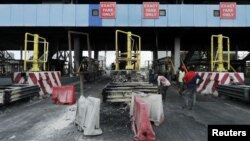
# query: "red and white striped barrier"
154 105
140 122
46 80
212 79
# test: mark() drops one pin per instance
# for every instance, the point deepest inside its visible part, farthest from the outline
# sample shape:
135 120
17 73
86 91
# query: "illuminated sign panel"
108 10
227 10
151 10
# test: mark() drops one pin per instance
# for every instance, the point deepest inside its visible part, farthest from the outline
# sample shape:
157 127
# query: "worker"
112 66
190 80
151 76
181 74
163 85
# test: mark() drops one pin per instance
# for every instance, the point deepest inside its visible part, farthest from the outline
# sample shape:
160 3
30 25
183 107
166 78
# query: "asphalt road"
40 119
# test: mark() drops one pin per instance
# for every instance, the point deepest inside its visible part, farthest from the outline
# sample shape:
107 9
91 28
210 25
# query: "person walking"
190 80
163 85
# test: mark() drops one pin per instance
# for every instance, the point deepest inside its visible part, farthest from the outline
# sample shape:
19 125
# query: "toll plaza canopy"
193 23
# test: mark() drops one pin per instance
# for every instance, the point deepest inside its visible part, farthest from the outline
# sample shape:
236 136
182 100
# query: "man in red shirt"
189 93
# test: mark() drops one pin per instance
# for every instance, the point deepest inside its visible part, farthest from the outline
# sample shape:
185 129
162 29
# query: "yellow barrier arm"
36 61
220 60
129 55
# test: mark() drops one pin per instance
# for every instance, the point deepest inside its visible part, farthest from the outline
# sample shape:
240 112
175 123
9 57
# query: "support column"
96 54
155 51
236 52
21 52
77 53
177 52
155 54
105 55
70 56
57 50
20 67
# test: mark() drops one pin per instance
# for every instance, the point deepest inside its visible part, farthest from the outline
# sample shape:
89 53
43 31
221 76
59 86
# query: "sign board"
227 10
108 10
151 10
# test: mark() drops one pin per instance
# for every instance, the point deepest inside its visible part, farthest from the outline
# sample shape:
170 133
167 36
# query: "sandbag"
88 115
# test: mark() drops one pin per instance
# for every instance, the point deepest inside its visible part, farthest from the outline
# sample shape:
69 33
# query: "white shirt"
181 76
163 80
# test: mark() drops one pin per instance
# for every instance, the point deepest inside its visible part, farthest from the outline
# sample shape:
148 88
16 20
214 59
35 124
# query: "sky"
110 56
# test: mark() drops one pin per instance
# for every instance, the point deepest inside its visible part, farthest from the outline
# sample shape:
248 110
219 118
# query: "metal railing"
133 55
35 60
218 59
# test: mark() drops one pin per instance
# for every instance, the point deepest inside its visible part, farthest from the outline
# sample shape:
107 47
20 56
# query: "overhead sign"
227 10
151 10
108 10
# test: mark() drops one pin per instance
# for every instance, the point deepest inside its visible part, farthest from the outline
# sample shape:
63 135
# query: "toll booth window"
95 12
162 12
216 13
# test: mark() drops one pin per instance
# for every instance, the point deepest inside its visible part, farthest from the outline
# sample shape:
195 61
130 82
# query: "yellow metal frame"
130 56
220 62
35 61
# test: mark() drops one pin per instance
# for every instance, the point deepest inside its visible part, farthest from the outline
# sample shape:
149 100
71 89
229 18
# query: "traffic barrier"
46 80
154 105
64 95
140 122
213 79
88 115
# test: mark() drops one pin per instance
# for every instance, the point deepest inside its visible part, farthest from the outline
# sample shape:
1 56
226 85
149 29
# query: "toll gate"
207 35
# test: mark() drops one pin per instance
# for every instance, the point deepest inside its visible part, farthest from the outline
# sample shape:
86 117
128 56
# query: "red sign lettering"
107 10
227 10
151 10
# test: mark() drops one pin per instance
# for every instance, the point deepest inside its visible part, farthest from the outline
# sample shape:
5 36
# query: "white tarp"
154 104
1 98
88 115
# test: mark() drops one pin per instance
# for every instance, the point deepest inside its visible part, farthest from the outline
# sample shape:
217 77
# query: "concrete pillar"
96 54
236 52
57 49
155 51
70 56
20 67
65 55
21 52
177 52
77 53
155 54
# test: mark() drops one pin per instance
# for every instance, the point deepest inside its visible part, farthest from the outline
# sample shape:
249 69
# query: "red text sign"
107 10
227 10
151 10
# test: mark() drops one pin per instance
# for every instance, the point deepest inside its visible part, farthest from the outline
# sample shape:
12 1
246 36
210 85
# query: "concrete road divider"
17 92
64 95
88 115
154 105
140 122
45 79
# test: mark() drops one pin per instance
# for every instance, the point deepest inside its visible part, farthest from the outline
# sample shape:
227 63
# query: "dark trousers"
189 96
163 90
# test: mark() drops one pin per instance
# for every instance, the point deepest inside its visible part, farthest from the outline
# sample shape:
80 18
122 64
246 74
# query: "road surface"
40 119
